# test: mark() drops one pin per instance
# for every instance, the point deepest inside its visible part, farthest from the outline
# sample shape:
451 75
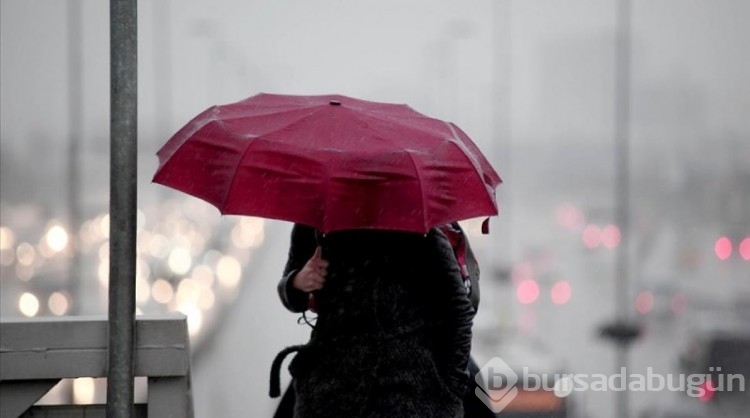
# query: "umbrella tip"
334 103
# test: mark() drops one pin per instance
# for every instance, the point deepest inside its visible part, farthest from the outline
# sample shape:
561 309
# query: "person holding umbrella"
393 332
296 287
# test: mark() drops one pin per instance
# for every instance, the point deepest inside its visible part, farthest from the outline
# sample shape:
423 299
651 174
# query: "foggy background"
532 82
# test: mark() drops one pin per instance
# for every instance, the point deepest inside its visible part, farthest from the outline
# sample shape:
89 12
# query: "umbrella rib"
381 116
325 202
469 156
421 188
251 141
274 112
473 157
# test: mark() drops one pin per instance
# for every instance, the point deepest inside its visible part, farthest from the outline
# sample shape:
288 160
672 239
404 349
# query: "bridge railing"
36 353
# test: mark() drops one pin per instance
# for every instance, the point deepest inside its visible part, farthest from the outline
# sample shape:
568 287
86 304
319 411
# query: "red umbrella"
331 162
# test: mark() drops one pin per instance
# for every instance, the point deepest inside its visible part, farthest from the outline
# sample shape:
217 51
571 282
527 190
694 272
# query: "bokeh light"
28 304
140 220
561 292
610 236
142 269
569 217
142 290
723 248
58 303
592 236
228 271
248 233
708 391
25 254
744 249
103 273
104 226
57 238
527 291
159 246
7 238
104 251
203 275
188 292
180 261
162 291
194 317
644 302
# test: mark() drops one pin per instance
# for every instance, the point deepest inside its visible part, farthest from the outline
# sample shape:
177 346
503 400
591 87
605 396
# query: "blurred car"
717 350
724 355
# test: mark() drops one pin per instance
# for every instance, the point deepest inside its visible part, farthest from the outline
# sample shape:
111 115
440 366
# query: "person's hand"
313 274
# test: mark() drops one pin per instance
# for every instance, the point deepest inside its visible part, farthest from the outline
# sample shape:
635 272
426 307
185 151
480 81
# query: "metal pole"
123 201
162 80
622 189
162 70
502 128
75 132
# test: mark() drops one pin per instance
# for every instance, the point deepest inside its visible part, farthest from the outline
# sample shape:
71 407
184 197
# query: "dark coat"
393 332
470 261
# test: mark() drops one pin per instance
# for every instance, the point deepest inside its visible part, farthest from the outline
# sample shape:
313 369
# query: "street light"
622 331
123 202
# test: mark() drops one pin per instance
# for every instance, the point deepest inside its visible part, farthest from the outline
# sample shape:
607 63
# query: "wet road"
231 377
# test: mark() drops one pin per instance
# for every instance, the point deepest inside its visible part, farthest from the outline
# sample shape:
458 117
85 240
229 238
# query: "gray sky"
558 81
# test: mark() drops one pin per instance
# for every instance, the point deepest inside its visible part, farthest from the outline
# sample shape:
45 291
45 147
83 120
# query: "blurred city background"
534 83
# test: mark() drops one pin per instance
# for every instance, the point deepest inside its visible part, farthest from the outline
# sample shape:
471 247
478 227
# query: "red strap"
311 304
458 242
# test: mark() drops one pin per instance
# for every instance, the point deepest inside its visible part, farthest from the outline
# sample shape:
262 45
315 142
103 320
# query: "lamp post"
123 203
502 138
75 132
623 330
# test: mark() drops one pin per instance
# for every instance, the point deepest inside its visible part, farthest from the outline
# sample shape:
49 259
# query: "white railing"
35 354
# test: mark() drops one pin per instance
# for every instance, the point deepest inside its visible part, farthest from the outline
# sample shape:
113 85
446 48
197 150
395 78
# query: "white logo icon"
500 386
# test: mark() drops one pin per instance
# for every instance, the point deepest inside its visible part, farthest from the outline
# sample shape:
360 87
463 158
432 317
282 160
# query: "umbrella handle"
486 226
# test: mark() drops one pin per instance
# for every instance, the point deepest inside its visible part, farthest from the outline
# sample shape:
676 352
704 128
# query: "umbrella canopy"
331 162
